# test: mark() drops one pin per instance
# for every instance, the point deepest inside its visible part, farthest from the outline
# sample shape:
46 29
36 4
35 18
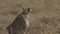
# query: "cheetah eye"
23 8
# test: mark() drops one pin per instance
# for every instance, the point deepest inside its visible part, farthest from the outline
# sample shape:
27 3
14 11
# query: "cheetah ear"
29 9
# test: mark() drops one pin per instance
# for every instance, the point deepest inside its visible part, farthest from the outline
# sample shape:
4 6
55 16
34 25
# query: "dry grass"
44 18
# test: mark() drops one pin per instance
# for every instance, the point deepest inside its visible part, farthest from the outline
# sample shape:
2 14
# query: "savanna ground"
44 18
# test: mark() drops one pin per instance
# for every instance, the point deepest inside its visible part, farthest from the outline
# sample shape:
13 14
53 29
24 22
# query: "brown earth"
44 18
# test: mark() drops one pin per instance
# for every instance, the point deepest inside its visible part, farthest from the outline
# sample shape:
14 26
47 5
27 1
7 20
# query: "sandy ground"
44 18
